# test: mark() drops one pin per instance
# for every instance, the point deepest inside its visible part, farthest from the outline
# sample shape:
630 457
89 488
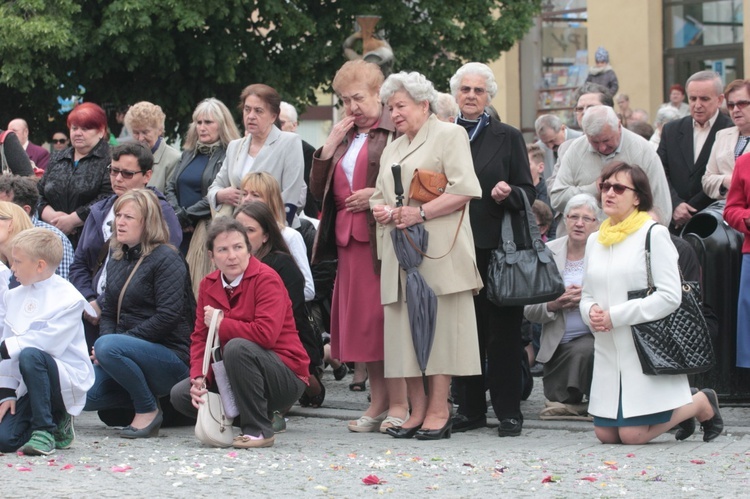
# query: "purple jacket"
92 240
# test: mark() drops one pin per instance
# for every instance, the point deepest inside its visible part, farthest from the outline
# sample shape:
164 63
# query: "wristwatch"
421 214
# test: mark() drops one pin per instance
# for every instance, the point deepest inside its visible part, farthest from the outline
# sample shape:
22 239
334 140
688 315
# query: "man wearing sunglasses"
606 140
131 168
686 144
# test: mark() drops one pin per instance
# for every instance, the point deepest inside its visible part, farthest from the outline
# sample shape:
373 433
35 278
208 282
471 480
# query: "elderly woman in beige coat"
428 144
567 345
730 142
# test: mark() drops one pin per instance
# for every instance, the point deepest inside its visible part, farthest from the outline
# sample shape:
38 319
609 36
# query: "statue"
374 48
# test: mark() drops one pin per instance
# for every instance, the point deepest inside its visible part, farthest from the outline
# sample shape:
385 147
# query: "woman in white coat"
628 406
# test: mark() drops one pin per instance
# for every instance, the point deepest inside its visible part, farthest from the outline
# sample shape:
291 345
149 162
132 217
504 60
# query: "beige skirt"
455 350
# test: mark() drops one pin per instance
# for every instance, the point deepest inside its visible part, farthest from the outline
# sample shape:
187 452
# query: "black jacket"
499 154
158 305
676 153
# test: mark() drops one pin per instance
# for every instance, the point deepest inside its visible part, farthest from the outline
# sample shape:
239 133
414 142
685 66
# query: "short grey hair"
594 88
415 84
707 76
596 118
446 106
474 68
665 115
289 110
551 121
584 200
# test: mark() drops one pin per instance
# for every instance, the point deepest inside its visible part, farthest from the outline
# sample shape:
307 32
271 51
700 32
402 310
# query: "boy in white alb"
45 370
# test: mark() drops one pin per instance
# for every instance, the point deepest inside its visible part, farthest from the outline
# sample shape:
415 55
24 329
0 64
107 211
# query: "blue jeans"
41 407
132 373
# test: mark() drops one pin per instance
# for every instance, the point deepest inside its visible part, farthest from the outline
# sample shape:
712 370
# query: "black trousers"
500 350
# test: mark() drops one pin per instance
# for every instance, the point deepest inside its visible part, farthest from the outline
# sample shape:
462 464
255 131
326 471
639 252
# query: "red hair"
88 115
677 87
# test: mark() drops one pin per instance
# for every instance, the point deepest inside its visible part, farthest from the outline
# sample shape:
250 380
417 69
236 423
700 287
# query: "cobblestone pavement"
318 457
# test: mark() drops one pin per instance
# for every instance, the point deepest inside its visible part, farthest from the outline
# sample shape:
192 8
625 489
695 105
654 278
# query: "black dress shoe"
152 430
444 432
687 427
465 423
510 427
713 427
399 432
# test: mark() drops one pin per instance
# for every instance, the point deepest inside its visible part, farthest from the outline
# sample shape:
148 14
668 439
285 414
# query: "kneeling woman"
147 315
264 358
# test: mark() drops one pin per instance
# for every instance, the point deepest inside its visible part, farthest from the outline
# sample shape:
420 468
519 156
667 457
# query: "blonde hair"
359 71
155 231
19 219
145 114
40 244
267 186
217 111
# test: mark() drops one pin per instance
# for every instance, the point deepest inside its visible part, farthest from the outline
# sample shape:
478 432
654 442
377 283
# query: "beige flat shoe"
366 424
392 421
243 442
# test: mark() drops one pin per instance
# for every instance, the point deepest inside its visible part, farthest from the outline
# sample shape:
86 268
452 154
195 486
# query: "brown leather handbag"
427 185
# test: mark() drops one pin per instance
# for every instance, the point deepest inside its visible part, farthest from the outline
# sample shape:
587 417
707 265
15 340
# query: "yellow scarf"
612 234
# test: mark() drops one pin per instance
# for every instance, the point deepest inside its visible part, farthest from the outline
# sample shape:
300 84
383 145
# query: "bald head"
20 128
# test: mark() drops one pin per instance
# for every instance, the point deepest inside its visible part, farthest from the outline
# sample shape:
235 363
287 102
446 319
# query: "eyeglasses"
618 188
126 174
59 141
577 218
741 104
477 90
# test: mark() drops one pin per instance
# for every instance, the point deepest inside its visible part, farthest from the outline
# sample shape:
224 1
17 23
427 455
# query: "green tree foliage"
177 52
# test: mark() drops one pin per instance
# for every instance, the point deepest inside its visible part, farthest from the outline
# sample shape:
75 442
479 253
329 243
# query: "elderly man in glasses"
606 140
131 168
686 143
731 143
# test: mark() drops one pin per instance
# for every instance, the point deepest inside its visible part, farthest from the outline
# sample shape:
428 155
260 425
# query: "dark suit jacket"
39 155
676 153
499 153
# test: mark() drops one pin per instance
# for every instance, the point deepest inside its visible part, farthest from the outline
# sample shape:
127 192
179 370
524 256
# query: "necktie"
230 291
741 144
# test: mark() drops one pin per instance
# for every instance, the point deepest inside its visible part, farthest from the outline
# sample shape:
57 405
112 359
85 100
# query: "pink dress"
356 312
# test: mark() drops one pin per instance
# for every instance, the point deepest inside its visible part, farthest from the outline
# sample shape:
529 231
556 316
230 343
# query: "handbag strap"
125 286
455 238
649 275
507 242
212 341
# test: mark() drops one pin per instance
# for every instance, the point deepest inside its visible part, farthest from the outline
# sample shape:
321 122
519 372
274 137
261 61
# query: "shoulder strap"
212 340
125 286
649 276
455 238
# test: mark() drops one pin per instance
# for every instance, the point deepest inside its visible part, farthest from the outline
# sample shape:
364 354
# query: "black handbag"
680 343
522 277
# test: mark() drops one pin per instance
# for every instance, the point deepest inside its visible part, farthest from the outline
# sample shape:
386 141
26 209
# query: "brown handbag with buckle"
427 185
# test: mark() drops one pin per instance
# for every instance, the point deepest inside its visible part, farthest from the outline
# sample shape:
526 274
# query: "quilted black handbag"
522 277
680 343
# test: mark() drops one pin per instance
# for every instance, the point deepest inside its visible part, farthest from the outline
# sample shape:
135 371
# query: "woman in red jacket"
264 358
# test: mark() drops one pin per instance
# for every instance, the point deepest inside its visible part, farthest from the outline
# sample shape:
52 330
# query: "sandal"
358 387
366 424
567 412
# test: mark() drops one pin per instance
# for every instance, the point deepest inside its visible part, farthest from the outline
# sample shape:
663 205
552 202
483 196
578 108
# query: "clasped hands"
599 319
403 216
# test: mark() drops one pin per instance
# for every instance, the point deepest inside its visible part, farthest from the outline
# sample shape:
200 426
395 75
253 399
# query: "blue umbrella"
409 245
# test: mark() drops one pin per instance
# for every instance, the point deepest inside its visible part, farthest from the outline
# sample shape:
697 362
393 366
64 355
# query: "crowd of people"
118 262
